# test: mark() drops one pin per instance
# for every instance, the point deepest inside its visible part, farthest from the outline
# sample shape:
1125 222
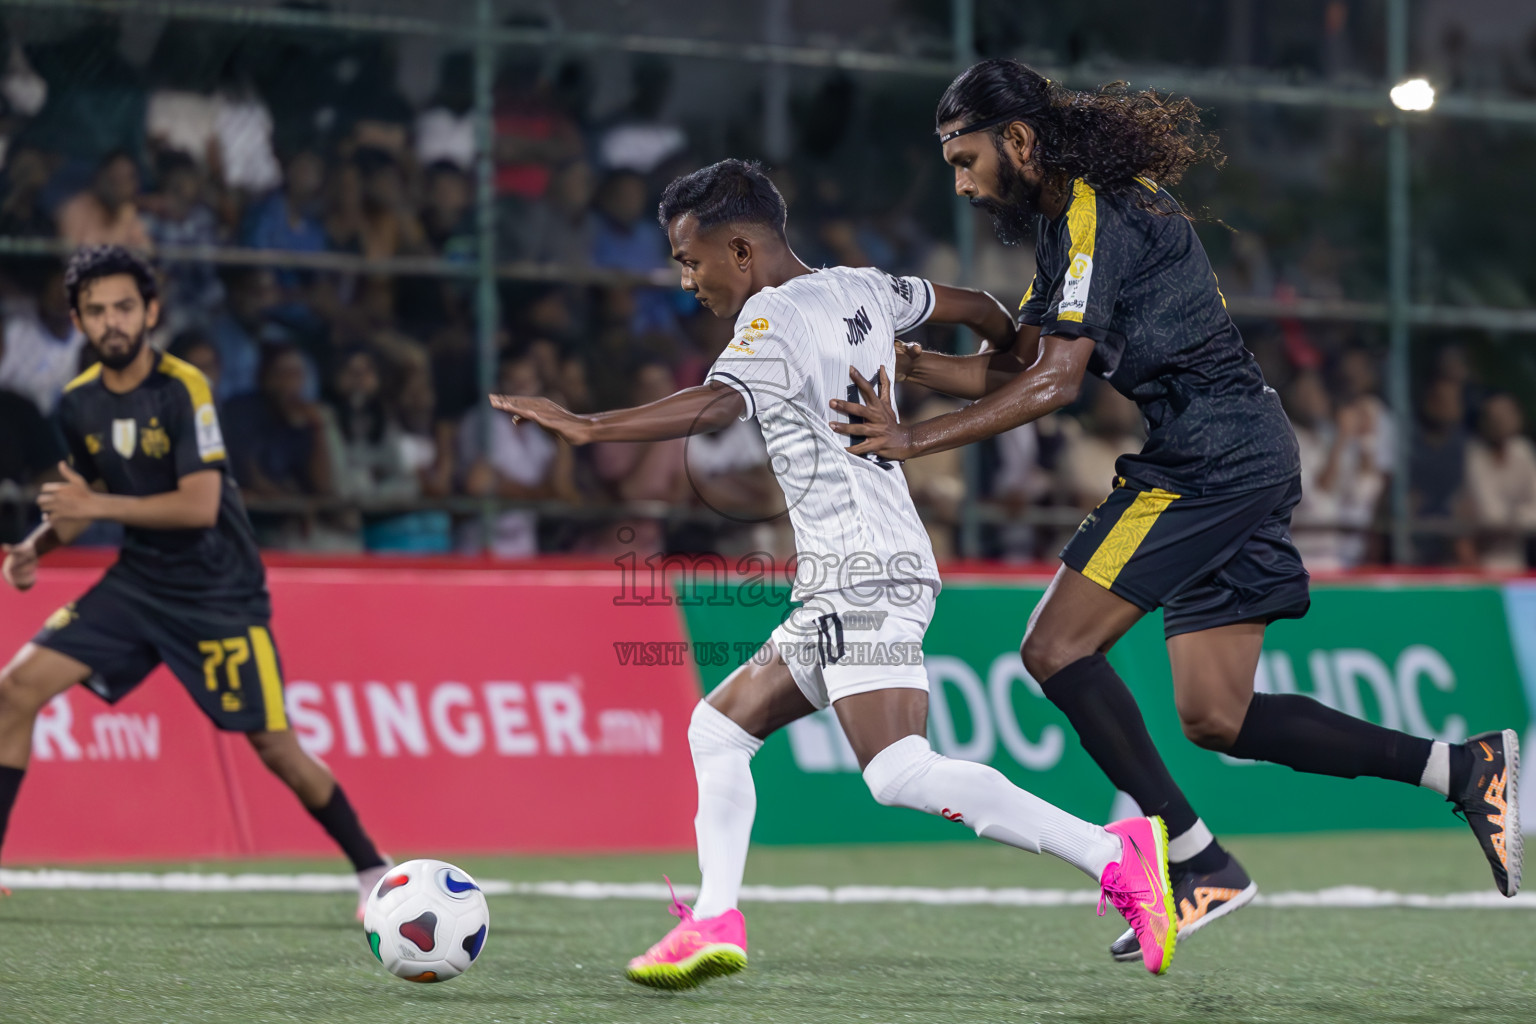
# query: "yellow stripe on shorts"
271 679
1126 536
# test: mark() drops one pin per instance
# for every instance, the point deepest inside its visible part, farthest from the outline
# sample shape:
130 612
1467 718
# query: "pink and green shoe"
696 950
1138 886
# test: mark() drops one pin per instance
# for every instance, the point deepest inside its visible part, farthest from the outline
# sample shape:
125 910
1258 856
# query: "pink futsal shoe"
1138 886
694 951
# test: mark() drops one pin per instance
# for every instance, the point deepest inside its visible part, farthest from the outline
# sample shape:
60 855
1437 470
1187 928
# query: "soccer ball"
426 921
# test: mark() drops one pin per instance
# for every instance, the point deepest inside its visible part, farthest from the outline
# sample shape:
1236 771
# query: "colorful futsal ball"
426 921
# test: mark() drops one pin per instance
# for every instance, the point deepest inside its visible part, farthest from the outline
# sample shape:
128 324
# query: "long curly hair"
1107 136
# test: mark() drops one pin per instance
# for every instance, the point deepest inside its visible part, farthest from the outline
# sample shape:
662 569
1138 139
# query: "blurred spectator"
649 471
177 216
1501 485
640 139
426 443
198 349
533 132
1088 456
728 470
558 230
1359 384
31 447
1323 445
42 347
95 98
370 111
21 211
289 218
372 462
105 213
239 332
445 130
372 214
1437 472
523 463
1021 481
624 232
278 438
447 215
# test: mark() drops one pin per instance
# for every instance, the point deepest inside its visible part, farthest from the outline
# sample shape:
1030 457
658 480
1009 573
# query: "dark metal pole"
963 24
486 312
1398 274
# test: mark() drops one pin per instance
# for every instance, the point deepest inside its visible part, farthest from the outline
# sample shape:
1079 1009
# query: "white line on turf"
1341 897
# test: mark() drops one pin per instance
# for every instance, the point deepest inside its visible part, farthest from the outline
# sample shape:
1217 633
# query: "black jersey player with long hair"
188 588
1198 522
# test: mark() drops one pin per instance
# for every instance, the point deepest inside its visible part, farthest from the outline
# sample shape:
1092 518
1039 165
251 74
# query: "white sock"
909 774
1190 842
1437 770
722 762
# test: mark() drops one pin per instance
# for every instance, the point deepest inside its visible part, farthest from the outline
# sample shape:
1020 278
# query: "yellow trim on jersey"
271 678
198 391
1147 182
1082 229
1029 293
84 378
1126 536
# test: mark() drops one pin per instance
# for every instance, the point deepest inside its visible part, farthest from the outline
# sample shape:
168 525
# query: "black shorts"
224 657
1206 562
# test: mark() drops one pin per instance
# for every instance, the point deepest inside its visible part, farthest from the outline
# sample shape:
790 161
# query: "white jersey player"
865 577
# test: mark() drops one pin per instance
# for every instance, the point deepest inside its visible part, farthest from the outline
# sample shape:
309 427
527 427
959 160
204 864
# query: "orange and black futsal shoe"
1489 801
1201 898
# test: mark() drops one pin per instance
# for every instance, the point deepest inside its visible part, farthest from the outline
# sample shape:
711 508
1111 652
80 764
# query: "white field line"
1341 897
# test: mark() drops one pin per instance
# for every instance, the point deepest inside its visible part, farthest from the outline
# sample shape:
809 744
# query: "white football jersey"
853 517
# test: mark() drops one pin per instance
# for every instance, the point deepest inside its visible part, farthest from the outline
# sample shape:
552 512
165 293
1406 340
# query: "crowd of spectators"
350 393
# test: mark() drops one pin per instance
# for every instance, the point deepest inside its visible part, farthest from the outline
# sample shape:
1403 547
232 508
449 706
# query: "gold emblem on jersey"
760 324
154 440
61 618
93 443
124 435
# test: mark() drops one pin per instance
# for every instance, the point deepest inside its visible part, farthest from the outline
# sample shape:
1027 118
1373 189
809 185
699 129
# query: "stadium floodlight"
1413 94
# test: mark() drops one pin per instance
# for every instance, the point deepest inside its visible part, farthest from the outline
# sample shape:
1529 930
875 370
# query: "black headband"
1016 114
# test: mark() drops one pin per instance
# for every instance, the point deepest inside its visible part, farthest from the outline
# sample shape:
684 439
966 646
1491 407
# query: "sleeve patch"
210 442
1074 290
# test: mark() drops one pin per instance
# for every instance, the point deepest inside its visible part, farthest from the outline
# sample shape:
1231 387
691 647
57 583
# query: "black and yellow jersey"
143 442
1138 283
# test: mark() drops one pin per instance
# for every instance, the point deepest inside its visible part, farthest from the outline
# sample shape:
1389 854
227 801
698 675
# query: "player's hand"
70 499
20 567
906 356
883 434
552 416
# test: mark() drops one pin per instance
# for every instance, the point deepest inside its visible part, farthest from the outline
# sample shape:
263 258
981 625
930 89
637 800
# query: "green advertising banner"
1435 661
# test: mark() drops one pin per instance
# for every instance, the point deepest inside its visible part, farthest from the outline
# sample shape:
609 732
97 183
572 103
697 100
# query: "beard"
1013 216
119 360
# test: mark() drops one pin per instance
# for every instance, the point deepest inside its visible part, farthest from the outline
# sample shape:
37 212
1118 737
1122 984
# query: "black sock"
10 782
1308 736
1110 727
340 822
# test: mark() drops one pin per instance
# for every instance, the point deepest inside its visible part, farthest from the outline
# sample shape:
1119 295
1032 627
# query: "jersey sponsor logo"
93 443
154 441
210 442
901 287
1074 290
125 433
740 345
859 326
760 324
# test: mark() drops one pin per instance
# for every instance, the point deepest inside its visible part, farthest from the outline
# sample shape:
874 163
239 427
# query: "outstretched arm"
699 410
1053 381
970 376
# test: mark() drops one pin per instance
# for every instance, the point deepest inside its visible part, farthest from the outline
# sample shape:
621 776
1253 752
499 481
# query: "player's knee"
889 773
1045 655
1210 727
21 692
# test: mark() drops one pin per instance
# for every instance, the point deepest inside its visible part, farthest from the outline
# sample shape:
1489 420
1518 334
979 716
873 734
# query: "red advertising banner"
464 711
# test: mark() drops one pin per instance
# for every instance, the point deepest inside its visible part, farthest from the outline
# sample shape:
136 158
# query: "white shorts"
843 642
